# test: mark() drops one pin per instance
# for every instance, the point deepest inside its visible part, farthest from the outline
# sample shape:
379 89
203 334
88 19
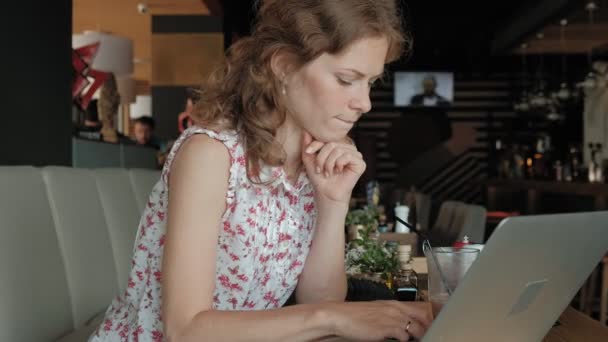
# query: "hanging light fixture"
115 52
590 81
523 104
553 114
540 99
563 93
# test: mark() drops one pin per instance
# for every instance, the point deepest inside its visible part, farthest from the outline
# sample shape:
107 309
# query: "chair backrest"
474 223
423 210
441 234
67 240
142 182
98 154
95 154
124 196
83 238
445 216
34 297
135 156
121 214
457 219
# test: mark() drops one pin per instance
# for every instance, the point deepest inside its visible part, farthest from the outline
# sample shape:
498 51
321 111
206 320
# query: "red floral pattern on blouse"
264 238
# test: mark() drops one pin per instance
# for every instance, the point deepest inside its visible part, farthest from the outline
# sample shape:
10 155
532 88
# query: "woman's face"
328 95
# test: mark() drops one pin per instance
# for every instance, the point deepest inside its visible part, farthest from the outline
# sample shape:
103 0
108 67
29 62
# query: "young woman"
252 200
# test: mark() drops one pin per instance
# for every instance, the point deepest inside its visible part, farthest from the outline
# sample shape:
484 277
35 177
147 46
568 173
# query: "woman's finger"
397 332
323 154
314 147
414 328
341 163
424 314
404 323
392 326
411 309
419 311
348 146
330 162
352 162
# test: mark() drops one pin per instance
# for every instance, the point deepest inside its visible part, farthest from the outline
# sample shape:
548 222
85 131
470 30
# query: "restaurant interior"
97 92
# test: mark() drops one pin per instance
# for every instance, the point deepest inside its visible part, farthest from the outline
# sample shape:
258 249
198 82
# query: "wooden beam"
177 7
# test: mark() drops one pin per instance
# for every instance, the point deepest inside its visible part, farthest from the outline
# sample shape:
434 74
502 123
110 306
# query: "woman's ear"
281 64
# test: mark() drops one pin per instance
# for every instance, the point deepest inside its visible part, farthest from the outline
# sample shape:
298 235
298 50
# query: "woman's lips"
347 121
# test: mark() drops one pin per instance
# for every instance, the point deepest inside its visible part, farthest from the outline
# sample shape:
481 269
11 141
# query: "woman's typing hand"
379 320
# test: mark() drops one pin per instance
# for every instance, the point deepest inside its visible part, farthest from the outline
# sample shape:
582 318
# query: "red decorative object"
85 80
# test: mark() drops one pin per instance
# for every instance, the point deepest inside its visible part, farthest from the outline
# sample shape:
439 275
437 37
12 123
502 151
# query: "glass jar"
405 284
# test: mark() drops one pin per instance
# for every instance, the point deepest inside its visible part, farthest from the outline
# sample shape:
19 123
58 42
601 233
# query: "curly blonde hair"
244 92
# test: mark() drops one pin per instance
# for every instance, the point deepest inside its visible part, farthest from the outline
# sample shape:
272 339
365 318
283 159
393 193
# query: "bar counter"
534 189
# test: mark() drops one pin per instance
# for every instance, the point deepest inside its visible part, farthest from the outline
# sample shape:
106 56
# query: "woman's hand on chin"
333 168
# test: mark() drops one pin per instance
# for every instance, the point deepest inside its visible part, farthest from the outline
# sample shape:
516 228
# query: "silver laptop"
525 277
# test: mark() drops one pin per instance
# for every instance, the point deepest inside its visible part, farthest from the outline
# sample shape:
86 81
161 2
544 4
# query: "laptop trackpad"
528 295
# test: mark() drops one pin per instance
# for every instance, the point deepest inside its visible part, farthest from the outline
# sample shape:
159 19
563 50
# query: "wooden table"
577 327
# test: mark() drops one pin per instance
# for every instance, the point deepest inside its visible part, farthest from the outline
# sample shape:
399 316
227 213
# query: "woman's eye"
343 82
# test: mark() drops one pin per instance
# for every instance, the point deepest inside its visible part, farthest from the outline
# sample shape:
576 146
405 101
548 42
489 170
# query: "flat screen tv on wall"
423 89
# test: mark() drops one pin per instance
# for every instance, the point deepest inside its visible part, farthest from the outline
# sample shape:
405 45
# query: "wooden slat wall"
185 49
122 18
478 103
184 59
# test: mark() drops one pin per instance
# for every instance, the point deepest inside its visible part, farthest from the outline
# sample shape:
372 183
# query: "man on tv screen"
429 96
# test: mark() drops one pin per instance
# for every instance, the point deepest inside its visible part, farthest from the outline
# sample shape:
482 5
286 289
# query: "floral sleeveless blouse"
264 239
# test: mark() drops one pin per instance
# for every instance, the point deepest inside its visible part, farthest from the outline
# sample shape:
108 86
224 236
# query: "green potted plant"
359 219
369 258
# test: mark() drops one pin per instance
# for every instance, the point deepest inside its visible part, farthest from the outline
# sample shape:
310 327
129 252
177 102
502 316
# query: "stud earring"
284 88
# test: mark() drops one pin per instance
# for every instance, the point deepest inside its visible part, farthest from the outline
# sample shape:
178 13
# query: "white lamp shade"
126 88
141 107
115 53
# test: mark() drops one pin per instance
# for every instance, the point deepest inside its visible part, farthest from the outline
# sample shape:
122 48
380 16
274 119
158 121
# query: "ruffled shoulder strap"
229 138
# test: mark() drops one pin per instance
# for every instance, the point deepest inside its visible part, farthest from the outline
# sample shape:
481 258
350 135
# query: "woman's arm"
323 277
198 184
361 321
333 169
197 193
292 323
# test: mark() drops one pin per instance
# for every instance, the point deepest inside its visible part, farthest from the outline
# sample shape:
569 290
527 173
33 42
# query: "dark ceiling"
471 35
581 34
455 34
